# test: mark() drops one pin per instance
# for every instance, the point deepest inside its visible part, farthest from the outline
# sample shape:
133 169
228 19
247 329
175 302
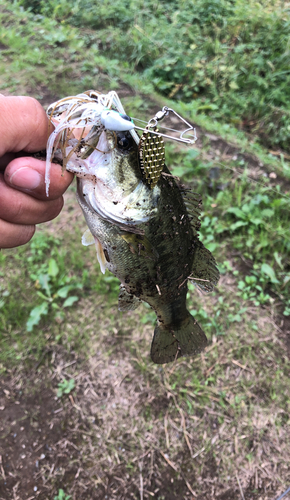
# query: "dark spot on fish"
138 288
114 248
115 202
107 255
127 279
138 204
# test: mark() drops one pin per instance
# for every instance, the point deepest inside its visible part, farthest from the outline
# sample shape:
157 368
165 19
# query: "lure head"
119 122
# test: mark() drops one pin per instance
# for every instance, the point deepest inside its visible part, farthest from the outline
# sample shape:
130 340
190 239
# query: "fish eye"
124 142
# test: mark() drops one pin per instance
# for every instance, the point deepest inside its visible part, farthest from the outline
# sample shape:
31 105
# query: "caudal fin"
169 344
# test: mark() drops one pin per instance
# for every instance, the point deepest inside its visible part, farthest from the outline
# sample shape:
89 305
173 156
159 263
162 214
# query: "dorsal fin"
193 203
204 273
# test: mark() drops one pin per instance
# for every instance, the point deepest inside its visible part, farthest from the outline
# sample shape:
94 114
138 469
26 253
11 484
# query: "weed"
3 294
62 496
251 290
52 283
65 387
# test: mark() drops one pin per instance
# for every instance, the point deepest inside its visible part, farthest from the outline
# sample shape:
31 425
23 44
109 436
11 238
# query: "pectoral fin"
87 238
139 244
127 302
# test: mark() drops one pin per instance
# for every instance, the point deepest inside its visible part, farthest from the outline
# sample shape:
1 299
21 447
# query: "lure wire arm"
178 139
159 116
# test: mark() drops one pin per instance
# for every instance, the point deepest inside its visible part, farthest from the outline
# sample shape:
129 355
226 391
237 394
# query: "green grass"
49 282
230 58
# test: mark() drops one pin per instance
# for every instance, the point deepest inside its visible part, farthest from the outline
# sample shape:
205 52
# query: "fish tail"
171 342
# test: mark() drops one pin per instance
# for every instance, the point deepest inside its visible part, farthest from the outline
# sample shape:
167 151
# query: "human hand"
24 127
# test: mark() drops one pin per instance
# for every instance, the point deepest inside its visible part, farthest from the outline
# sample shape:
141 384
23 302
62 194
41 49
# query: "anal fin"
127 301
89 239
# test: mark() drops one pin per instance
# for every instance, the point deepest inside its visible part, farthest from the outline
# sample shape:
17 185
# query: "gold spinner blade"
151 157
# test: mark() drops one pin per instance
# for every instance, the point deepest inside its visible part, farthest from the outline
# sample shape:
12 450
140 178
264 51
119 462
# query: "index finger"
24 125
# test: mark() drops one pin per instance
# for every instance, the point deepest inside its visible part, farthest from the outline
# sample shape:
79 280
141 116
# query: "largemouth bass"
147 237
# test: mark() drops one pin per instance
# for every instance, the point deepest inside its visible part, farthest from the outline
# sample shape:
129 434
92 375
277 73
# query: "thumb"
27 174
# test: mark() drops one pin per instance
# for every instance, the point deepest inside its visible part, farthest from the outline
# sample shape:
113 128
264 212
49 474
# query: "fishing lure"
80 120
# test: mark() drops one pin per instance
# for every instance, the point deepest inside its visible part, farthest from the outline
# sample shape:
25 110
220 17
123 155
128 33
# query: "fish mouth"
106 143
112 198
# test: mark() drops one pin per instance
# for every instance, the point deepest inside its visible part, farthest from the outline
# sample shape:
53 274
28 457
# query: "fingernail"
25 178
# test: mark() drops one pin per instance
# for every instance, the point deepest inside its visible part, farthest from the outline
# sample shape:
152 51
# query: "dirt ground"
123 432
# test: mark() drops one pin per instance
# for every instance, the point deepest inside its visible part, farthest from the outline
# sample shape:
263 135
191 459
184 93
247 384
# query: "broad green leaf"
70 301
256 221
234 85
192 154
211 246
246 208
64 291
267 212
35 316
207 106
53 268
42 296
235 318
44 283
238 224
237 212
278 259
269 271
70 386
